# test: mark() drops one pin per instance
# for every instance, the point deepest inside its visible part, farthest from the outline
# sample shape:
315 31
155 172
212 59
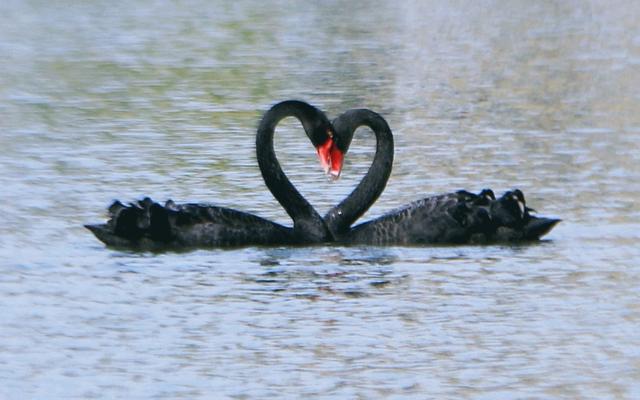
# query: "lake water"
122 100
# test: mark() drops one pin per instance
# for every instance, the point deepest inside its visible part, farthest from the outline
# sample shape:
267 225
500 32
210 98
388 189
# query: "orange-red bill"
331 158
337 159
324 154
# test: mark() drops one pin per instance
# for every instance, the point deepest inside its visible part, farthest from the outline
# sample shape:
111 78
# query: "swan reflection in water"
453 218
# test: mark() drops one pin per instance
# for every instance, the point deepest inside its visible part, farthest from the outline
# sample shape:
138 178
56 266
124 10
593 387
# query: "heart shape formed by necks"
307 223
332 141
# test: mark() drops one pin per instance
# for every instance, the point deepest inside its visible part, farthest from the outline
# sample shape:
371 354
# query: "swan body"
147 224
455 218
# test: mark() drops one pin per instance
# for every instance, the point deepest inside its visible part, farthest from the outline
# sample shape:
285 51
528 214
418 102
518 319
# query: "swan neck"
341 217
305 218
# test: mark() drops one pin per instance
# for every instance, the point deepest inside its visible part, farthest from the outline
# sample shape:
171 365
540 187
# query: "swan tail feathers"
105 234
537 227
129 224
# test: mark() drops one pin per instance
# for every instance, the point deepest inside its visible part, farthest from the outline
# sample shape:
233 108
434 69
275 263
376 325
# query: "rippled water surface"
104 101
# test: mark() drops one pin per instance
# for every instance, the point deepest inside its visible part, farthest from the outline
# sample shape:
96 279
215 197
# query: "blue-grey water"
105 100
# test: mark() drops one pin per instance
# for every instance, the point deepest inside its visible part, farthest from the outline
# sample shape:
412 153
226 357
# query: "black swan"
148 225
454 218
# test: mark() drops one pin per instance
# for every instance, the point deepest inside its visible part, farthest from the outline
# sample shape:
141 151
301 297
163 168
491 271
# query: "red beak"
324 154
331 158
337 159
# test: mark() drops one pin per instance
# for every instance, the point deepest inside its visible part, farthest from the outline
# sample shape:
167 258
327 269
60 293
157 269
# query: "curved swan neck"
340 218
305 218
